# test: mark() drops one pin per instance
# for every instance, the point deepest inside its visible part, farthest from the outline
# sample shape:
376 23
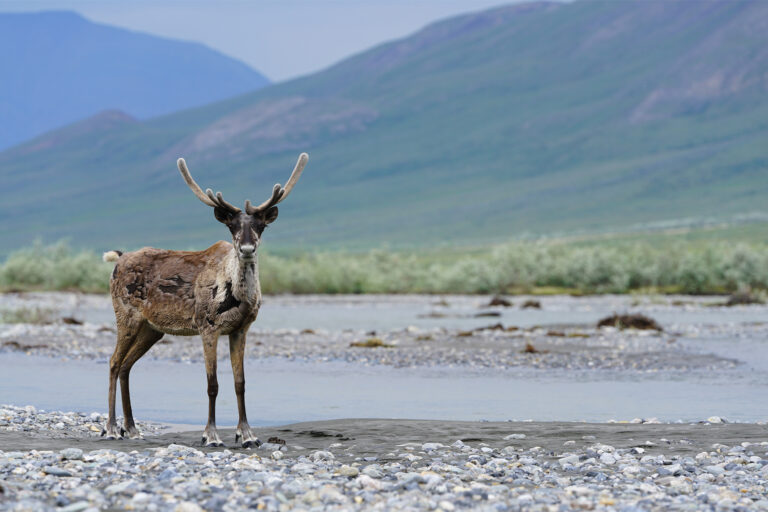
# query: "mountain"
530 118
58 67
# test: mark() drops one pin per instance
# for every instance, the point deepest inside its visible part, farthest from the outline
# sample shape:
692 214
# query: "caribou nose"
247 250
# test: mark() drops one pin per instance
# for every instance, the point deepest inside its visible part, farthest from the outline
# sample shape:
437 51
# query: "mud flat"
397 464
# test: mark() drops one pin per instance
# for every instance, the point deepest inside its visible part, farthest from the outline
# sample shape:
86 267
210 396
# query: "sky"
282 39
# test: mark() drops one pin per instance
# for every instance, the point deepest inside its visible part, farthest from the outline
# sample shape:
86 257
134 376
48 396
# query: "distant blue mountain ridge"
57 67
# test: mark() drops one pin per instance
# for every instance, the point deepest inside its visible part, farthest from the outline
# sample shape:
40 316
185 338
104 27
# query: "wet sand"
378 437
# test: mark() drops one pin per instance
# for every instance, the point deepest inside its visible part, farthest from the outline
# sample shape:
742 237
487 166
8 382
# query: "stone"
373 470
188 506
78 506
714 470
322 455
366 482
53 470
349 471
71 454
126 486
579 490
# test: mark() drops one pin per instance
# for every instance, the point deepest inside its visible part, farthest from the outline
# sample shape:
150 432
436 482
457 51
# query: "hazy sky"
280 38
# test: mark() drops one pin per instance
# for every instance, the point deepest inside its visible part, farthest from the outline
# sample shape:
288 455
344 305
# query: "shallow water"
280 392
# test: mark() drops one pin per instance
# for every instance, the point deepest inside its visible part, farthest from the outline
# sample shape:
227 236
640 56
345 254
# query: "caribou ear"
270 215
222 214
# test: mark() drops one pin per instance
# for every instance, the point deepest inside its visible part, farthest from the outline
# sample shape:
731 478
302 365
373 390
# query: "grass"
54 267
534 267
672 266
37 316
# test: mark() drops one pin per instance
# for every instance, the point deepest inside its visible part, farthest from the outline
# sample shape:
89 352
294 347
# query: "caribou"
211 293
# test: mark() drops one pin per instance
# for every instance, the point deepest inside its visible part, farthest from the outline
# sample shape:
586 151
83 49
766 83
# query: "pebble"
75 507
349 471
55 424
373 471
322 455
459 476
72 454
599 349
52 470
715 470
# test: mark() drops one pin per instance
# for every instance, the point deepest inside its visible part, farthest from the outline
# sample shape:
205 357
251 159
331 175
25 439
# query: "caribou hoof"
113 432
211 439
251 443
246 437
133 433
210 444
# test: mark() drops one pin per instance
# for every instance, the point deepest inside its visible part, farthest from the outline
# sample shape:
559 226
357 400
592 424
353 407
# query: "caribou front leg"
210 435
236 354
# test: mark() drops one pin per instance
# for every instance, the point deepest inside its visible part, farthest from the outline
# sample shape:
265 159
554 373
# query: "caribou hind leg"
147 336
210 435
126 337
236 353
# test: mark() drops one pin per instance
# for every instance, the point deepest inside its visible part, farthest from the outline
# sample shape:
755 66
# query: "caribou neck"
245 278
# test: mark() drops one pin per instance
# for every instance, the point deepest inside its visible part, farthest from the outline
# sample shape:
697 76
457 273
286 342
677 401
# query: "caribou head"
246 225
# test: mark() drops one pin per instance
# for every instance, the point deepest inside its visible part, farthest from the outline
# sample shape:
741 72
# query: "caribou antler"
208 196
279 193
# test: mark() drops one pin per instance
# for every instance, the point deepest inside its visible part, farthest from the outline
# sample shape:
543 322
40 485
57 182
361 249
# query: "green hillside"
542 118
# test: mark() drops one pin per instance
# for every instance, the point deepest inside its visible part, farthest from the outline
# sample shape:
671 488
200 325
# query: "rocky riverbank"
398 464
35 423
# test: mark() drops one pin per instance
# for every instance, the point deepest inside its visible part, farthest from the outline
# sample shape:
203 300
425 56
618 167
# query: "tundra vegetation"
671 266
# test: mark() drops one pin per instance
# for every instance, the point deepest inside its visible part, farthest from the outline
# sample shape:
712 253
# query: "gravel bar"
398 465
493 347
490 343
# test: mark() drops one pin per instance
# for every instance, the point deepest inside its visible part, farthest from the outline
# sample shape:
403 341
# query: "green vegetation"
38 316
54 267
694 267
707 267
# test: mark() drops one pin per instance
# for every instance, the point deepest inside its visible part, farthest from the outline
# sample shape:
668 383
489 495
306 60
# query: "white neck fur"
245 279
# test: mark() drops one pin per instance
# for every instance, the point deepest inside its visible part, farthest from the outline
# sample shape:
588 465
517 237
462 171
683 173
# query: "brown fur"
176 291
210 293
